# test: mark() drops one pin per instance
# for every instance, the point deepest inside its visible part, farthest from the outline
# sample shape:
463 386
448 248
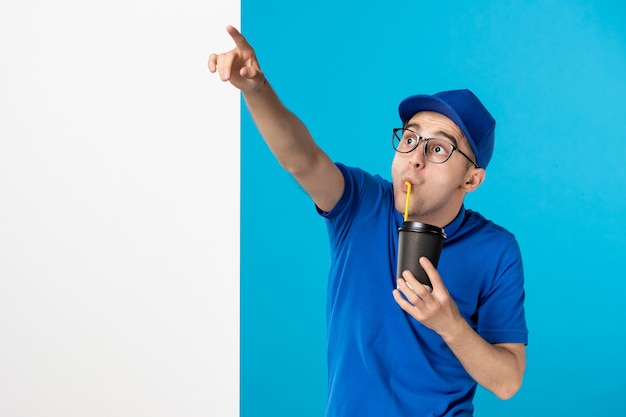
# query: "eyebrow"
439 133
449 136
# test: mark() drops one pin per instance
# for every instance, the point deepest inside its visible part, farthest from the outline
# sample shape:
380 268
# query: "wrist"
456 331
257 89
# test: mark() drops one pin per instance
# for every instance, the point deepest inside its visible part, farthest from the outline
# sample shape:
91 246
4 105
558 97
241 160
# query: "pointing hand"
240 65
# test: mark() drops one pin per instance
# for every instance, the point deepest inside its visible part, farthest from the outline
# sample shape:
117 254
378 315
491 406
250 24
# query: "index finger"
431 271
415 285
240 40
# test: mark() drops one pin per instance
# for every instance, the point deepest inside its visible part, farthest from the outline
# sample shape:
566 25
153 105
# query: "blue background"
553 73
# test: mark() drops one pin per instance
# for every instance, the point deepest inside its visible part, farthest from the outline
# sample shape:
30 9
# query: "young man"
395 346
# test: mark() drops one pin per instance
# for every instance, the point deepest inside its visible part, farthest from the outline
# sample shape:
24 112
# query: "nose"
416 156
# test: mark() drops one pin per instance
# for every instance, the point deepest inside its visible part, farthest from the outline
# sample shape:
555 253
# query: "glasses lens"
404 140
438 151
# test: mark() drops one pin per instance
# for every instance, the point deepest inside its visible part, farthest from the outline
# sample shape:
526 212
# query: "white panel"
119 210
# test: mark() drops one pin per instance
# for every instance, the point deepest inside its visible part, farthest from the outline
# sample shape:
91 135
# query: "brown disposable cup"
415 240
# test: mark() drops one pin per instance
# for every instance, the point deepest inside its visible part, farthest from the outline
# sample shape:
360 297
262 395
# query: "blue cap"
465 110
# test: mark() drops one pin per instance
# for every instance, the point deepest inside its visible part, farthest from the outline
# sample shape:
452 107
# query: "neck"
441 217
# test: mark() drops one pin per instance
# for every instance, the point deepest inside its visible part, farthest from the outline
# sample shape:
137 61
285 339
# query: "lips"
404 186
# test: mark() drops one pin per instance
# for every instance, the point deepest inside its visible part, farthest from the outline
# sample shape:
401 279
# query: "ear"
473 178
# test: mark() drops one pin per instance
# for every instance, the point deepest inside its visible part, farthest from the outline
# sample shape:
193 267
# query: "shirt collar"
452 227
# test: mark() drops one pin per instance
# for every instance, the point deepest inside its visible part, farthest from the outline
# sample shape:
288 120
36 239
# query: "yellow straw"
408 197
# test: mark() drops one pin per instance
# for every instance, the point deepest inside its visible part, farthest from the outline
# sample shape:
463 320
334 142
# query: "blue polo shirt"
381 361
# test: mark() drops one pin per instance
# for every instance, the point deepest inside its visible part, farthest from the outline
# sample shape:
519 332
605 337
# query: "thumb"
251 73
248 72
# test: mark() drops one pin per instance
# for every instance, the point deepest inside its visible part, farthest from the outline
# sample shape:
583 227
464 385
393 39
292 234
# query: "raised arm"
287 137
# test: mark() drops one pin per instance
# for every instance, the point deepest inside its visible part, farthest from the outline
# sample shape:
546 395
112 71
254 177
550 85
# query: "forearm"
288 138
294 148
498 368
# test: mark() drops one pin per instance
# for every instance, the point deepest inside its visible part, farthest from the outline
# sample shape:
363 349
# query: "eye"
405 140
439 149
408 137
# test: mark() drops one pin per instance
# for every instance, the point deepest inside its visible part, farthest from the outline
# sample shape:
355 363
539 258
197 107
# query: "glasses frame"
426 140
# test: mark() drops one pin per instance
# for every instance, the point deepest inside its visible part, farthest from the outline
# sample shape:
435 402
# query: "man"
395 346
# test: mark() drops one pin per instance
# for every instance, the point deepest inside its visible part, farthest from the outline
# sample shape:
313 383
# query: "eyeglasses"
436 151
